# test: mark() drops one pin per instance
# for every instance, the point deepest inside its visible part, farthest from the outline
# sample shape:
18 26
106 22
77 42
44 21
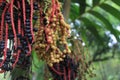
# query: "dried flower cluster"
50 40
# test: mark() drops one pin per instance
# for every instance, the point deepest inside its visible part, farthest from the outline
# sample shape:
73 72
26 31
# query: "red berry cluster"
16 32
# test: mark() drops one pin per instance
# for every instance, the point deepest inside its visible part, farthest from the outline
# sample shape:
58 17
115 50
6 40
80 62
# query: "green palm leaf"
113 11
107 24
93 28
116 2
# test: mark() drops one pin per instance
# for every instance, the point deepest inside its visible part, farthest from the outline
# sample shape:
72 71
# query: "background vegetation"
96 22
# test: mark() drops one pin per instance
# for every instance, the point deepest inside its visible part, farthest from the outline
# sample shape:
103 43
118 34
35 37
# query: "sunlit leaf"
92 27
113 11
116 2
74 11
107 24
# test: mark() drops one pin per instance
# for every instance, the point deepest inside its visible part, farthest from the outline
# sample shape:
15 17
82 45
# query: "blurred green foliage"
98 26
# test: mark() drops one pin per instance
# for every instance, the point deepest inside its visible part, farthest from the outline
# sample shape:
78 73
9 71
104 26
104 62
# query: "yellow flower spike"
64 42
58 23
62 22
69 51
53 25
61 53
57 61
54 30
54 16
53 59
64 51
67 26
61 42
57 56
50 64
60 16
53 47
60 59
50 34
63 56
54 19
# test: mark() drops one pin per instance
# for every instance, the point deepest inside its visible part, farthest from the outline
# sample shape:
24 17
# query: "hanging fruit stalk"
16 33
